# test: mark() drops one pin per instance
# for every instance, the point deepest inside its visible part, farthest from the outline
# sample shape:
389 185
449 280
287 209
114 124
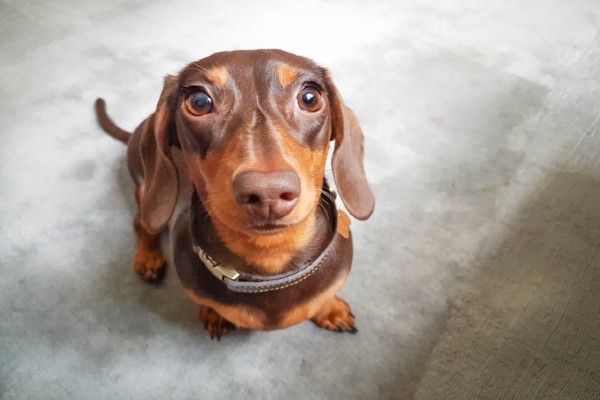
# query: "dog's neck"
268 254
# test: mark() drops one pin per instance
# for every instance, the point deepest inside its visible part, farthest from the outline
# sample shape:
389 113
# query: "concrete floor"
478 277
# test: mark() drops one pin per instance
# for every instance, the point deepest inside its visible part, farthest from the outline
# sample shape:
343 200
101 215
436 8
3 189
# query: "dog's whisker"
328 195
319 172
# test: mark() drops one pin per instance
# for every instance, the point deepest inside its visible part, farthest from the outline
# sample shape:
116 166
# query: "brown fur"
253 125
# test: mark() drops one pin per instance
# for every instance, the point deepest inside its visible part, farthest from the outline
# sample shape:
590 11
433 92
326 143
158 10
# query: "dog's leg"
149 261
216 325
335 315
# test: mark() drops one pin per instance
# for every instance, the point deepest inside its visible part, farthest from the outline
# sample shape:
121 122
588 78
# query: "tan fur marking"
149 260
286 74
239 315
213 176
314 306
218 75
269 253
308 163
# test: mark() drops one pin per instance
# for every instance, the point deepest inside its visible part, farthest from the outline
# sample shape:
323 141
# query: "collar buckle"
215 268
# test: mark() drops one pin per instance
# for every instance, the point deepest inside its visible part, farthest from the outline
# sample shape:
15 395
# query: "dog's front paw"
149 265
216 325
336 316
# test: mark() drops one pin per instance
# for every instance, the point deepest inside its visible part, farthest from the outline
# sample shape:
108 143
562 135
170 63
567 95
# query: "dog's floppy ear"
347 160
160 187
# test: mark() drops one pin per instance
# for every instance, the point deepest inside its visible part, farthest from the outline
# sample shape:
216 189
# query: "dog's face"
255 128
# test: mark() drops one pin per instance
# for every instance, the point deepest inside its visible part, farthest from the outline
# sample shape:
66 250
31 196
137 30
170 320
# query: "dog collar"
250 283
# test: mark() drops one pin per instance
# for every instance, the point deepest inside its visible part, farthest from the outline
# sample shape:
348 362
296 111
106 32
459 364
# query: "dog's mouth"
268 228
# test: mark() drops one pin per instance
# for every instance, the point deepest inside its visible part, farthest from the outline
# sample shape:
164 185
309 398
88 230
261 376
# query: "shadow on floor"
526 325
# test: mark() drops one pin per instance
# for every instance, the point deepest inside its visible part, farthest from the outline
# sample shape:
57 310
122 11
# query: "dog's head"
254 128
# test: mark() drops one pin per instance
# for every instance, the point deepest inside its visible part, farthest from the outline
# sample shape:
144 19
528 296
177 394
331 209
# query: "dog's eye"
310 99
199 103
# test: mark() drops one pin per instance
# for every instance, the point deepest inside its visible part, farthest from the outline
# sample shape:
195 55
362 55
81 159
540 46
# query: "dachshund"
231 166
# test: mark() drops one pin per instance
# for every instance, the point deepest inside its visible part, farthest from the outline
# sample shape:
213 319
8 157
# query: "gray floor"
477 278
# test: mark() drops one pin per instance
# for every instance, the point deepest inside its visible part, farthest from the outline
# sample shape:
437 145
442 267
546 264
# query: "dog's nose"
267 195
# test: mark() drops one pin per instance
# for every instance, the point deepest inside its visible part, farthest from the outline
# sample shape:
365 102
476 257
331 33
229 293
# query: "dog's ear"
158 194
347 160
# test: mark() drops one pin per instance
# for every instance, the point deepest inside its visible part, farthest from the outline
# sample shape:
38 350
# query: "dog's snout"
267 195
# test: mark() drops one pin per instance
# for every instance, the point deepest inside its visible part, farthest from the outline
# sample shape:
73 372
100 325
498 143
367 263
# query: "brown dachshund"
231 164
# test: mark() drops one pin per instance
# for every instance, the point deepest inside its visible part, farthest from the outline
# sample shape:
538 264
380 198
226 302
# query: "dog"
232 166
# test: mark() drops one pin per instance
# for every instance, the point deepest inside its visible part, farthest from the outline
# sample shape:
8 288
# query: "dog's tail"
108 125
